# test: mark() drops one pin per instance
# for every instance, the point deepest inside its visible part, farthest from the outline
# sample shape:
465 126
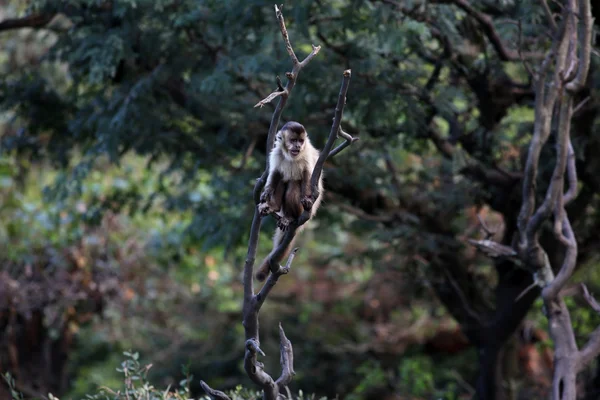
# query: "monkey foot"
284 223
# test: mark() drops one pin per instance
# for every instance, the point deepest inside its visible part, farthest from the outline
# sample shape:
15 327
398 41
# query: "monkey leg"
263 271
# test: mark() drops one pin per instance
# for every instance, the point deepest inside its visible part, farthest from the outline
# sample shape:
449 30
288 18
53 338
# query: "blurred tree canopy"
441 99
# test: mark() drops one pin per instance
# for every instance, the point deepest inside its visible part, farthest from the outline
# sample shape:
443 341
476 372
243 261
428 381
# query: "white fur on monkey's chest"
292 170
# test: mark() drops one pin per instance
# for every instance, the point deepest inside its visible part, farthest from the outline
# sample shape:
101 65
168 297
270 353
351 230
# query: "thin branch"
487 25
279 92
270 98
582 103
335 129
286 37
30 21
272 280
549 15
286 359
348 140
590 299
585 46
590 350
571 175
463 299
493 249
215 394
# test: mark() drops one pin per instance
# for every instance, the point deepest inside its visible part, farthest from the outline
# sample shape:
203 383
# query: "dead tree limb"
253 302
562 74
215 394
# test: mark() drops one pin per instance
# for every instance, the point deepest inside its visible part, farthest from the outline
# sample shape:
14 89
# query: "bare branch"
590 350
286 37
272 280
335 129
270 98
286 359
585 46
215 394
590 299
579 106
493 249
544 105
549 15
571 175
348 141
554 102
30 21
313 53
463 299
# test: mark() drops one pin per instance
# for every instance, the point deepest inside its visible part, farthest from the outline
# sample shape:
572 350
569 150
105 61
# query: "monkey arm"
273 180
306 191
272 196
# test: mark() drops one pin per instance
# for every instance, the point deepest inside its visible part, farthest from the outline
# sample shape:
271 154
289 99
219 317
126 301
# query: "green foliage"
135 385
10 381
134 118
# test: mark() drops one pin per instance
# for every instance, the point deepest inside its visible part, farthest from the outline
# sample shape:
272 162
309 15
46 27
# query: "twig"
590 299
335 129
585 49
272 280
286 359
493 249
270 98
215 394
279 92
549 15
348 141
459 292
580 105
286 37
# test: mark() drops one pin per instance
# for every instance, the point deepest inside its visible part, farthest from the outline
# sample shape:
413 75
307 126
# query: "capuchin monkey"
288 189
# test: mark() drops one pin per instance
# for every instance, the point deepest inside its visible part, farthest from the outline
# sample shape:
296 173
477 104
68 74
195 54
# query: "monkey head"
293 139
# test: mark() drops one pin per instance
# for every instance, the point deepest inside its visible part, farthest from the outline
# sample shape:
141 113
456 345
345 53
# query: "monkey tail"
263 271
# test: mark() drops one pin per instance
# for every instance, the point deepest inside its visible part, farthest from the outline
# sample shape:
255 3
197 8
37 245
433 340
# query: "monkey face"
294 144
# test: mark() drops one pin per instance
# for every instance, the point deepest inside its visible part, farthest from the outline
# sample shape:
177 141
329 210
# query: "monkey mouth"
294 153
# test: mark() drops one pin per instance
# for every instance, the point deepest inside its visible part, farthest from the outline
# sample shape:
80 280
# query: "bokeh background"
130 148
